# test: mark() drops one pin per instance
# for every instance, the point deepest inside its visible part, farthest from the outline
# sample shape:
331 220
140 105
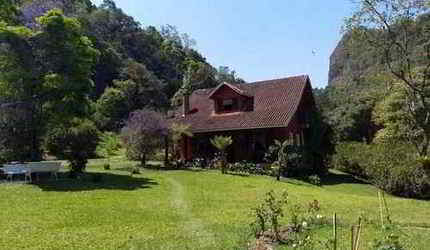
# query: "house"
254 114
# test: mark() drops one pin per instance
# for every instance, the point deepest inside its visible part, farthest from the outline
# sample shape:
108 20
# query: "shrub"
394 168
143 134
222 143
75 142
315 180
109 145
390 241
106 166
272 152
269 213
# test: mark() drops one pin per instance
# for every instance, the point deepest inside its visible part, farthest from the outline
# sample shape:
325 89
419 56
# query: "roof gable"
234 88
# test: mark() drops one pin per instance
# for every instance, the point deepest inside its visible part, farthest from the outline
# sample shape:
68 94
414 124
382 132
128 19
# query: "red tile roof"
275 103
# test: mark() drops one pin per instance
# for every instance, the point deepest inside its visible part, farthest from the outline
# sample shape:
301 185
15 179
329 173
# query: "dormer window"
230 98
228 105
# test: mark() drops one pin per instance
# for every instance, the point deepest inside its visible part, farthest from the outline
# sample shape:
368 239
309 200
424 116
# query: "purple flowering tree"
143 133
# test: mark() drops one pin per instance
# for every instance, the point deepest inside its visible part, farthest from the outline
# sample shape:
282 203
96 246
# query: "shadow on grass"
96 181
162 168
335 178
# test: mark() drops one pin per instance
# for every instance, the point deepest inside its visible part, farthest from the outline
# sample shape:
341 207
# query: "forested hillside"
68 59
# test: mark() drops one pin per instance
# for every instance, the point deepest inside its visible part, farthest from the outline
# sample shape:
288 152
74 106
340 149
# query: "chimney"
185 105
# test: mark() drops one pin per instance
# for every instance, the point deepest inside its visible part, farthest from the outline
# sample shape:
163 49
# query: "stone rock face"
338 60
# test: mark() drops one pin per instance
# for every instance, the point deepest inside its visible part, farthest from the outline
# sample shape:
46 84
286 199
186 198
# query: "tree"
198 75
398 124
225 74
143 134
16 133
137 89
67 58
222 143
74 141
20 88
391 28
47 73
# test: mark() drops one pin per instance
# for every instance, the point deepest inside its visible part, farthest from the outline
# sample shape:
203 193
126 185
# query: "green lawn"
180 210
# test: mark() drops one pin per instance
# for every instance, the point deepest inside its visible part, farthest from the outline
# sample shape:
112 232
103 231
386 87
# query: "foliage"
315 180
390 241
143 134
198 75
272 152
139 88
397 122
398 30
348 107
68 58
109 145
222 143
394 168
250 168
75 142
269 213
8 11
17 140
47 73
225 74
176 132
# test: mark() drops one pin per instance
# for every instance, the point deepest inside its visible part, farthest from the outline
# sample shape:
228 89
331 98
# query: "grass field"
182 210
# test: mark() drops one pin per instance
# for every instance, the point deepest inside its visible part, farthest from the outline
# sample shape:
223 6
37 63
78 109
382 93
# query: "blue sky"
260 39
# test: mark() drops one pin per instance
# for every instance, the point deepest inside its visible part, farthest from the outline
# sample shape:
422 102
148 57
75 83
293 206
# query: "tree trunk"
143 160
166 151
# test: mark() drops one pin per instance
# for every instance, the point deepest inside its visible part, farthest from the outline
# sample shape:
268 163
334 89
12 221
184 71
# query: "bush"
109 145
75 142
394 168
106 166
143 134
315 180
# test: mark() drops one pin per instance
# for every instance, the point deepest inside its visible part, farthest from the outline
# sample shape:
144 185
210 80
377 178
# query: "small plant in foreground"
389 242
269 213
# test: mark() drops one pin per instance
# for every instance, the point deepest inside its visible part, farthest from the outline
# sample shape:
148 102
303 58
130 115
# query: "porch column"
189 148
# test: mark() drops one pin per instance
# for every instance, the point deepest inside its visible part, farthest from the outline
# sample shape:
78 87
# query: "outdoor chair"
12 170
44 167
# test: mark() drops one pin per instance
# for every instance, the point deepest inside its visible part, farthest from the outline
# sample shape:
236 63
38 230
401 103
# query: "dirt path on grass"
193 226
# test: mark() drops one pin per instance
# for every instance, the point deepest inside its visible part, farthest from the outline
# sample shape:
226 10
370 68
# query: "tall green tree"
67 58
47 74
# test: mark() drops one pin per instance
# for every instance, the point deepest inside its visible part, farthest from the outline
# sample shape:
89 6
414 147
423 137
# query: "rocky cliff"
352 60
